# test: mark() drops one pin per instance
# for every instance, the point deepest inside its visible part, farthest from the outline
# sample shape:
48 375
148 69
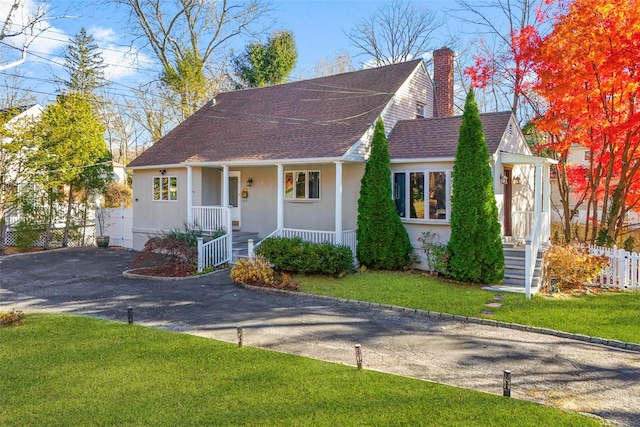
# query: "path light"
506 383
130 314
239 336
358 356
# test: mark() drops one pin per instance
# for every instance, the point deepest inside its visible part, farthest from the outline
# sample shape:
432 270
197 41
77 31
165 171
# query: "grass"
70 370
611 315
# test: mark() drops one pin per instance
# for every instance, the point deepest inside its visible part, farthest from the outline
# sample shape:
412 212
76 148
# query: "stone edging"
488 322
129 274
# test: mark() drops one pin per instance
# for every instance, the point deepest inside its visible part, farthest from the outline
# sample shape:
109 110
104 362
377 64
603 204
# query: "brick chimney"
443 79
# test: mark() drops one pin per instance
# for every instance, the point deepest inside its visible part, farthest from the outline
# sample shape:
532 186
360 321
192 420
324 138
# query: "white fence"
118 226
214 253
623 271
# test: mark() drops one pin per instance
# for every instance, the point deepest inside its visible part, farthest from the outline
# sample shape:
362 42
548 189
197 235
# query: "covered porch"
530 227
256 199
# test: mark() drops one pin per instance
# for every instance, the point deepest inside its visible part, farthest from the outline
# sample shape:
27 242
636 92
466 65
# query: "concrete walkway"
565 373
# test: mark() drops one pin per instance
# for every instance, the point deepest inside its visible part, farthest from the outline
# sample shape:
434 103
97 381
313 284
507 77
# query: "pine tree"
383 242
475 246
84 64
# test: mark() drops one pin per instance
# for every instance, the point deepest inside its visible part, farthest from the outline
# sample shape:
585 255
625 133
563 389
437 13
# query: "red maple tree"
587 72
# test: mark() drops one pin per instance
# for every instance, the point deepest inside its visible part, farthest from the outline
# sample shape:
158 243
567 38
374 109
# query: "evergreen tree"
84 64
383 242
71 152
267 64
475 246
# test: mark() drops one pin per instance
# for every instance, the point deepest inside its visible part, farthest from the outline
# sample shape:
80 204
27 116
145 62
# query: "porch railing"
314 236
539 234
214 252
210 218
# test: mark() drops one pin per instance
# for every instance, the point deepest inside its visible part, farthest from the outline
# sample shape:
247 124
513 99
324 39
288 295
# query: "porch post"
537 206
338 203
190 196
280 202
227 211
225 186
546 202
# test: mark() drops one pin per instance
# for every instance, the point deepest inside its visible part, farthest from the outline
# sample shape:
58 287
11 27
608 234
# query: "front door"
508 193
234 198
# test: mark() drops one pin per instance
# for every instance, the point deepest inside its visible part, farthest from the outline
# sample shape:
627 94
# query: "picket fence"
623 271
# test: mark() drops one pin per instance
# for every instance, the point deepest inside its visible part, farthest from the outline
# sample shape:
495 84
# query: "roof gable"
309 119
438 137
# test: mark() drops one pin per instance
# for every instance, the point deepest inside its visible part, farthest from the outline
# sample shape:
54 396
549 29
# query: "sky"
319 29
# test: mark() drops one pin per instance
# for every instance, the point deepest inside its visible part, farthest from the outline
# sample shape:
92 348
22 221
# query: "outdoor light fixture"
506 383
504 179
358 356
517 180
249 182
163 171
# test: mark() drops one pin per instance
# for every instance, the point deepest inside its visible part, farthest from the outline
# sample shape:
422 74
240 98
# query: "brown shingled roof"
438 137
318 118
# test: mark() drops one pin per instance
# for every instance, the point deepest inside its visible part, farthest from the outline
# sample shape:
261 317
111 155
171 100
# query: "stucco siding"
151 217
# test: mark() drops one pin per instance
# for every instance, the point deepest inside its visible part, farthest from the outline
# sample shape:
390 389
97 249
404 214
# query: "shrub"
435 252
26 234
173 253
571 267
297 256
258 272
14 317
191 234
118 193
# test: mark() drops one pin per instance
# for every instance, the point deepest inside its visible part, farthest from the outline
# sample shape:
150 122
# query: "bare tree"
494 22
190 39
21 25
341 63
396 32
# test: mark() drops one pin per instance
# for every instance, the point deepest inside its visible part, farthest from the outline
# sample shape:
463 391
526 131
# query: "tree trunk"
67 224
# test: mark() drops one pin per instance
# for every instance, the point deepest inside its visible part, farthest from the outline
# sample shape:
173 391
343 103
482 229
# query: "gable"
311 119
438 137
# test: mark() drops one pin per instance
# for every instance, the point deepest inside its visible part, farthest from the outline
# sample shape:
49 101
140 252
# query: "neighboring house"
288 159
24 116
579 155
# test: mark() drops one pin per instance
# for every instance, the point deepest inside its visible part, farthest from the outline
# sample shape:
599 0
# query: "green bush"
383 242
297 256
26 235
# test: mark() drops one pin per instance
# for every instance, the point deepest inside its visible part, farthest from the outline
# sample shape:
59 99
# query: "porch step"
514 271
240 244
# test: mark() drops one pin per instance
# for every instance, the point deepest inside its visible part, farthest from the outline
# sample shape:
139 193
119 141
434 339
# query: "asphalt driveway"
574 375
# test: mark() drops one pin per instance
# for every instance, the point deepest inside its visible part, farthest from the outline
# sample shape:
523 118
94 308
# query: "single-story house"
287 160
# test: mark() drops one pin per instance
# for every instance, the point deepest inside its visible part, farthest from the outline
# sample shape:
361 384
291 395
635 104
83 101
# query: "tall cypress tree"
383 242
475 246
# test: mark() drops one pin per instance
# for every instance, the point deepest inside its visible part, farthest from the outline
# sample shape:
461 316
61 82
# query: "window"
421 195
165 188
302 185
587 155
419 111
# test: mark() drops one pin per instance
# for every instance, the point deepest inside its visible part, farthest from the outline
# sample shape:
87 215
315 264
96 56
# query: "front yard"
70 370
612 315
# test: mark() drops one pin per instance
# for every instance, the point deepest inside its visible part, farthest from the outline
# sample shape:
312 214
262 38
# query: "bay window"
422 195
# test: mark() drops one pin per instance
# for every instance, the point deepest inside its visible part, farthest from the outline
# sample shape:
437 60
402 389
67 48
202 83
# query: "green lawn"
66 370
611 315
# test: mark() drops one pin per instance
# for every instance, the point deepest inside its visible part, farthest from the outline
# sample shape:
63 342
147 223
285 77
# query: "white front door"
234 198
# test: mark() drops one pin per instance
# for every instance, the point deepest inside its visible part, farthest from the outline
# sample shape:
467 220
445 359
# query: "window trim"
171 195
407 194
307 173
